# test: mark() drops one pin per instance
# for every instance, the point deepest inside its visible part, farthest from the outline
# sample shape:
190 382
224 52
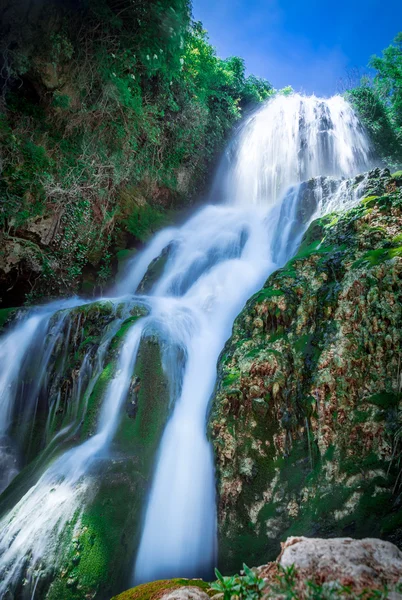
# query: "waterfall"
212 265
220 258
24 347
293 139
31 532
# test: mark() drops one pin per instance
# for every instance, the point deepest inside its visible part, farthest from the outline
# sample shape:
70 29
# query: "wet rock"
154 271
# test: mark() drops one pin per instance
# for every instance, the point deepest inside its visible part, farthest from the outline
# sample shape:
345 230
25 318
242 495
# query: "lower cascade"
181 294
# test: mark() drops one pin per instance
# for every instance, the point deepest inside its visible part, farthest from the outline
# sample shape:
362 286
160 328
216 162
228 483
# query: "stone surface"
364 563
185 593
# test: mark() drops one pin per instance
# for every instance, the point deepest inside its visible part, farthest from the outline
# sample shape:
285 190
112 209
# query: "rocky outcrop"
306 569
79 352
306 417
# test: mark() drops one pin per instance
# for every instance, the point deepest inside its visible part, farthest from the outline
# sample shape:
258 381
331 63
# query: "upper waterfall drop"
289 140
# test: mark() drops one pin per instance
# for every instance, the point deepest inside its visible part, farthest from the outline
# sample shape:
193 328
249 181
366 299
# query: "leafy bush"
246 587
286 584
379 103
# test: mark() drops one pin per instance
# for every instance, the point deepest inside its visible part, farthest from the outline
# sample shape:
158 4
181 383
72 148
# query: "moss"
316 231
154 272
230 379
95 309
155 589
102 383
136 312
384 399
122 332
95 400
266 294
98 551
369 201
147 407
100 554
376 257
6 315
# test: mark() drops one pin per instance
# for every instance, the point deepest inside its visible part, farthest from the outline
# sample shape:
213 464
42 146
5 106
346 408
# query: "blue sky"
308 44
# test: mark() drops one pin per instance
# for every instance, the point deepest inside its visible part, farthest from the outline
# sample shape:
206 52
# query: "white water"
32 531
216 261
290 140
16 348
222 256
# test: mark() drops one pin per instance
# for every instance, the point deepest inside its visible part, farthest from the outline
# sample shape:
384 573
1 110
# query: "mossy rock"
306 411
370 201
156 589
154 272
316 232
99 558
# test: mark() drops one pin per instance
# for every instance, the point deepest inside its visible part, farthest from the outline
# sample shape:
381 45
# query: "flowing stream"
214 263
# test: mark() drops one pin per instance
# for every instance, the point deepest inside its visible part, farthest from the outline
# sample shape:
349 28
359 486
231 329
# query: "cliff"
306 418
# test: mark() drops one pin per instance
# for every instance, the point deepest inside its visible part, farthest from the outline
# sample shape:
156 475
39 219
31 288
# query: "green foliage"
144 220
289 586
102 97
379 102
228 586
251 584
389 80
376 117
247 587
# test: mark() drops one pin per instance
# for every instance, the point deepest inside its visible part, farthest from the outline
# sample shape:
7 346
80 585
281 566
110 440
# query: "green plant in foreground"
285 582
288 586
247 587
228 586
251 585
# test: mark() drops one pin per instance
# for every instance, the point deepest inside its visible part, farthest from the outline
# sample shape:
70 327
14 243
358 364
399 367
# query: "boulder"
366 563
188 592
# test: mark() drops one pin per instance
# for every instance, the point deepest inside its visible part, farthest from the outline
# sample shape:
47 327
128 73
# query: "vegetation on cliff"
378 101
306 420
112 113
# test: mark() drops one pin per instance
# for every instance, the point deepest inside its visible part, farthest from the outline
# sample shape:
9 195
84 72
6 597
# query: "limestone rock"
188 592
369 562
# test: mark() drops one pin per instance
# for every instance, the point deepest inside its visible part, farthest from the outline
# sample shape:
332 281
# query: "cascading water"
214 263
220 258
23 346
290 140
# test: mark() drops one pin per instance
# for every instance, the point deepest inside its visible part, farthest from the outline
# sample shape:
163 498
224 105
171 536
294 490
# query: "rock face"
96 553
307 409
